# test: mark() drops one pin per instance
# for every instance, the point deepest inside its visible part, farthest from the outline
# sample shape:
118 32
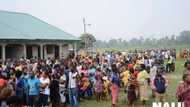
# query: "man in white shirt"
45 90
73 88
62 89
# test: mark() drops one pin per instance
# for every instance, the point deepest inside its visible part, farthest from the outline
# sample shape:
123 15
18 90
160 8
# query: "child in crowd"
159 85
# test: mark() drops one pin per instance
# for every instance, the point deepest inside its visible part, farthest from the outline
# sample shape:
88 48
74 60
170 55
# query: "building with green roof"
23 35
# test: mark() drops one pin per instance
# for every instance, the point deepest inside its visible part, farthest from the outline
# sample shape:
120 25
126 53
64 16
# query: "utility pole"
84 25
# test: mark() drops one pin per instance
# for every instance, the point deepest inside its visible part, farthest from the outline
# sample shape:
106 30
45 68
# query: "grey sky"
109 18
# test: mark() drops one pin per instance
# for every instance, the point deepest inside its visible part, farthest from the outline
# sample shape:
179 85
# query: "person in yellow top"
106 84
170 66
125 76
20 67
142 79
85 83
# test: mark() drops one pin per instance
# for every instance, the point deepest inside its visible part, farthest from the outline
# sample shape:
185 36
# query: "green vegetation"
174 79
174 41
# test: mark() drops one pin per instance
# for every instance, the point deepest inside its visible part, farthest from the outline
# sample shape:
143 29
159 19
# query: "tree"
87 40
184 37
166 41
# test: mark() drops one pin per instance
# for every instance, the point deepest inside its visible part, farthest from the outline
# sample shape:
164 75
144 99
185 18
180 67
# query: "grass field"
174 79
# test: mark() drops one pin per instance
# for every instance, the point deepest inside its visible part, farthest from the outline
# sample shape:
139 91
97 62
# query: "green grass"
174 79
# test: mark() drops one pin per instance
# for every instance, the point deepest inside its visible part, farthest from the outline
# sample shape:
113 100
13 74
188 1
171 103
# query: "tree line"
165 42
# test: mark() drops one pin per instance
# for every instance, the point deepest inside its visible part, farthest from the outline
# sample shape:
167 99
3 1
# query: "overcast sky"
109 18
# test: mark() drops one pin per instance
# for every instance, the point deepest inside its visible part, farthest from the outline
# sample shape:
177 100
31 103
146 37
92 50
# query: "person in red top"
130 66
3 82
135 71
183 90
84 70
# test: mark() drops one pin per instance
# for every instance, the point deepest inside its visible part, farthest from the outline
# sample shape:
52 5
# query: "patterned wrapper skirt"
143 87
114 93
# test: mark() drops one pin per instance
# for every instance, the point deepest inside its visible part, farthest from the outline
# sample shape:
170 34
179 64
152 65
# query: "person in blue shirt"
115 84
20 88
92 71
34 90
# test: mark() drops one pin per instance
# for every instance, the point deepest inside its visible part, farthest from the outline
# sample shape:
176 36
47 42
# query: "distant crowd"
67 82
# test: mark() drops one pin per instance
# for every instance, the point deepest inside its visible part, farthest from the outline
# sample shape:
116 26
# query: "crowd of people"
67 82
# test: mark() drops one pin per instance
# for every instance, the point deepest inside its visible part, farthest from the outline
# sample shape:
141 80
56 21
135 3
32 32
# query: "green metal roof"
15 25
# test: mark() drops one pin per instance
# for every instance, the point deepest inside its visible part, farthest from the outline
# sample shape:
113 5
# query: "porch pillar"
45 51
41 51
60 51
75 48
24 51
3 52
